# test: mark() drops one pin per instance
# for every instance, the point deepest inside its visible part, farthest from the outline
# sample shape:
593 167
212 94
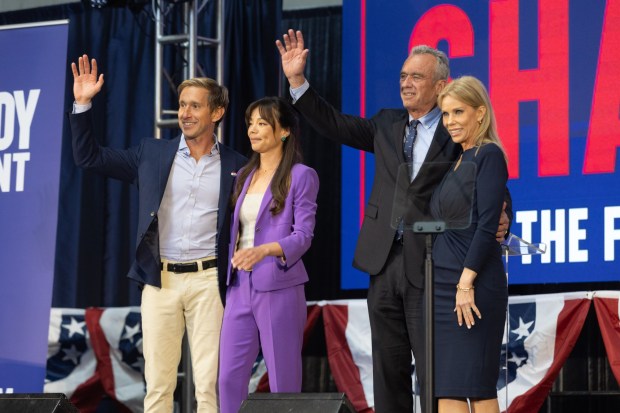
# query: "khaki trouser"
185 300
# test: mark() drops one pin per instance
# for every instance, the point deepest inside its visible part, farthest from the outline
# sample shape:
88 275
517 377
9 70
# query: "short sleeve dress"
467 360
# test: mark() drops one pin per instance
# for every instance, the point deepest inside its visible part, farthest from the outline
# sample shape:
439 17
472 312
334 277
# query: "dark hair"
274 110
218 94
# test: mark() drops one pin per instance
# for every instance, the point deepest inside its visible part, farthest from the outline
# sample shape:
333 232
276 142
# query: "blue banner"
551 70
32 86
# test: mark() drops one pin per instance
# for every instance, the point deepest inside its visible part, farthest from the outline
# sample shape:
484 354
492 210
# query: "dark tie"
410 136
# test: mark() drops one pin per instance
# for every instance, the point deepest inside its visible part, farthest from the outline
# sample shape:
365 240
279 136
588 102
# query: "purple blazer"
292 228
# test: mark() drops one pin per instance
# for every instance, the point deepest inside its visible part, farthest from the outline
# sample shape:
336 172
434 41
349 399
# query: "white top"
247 219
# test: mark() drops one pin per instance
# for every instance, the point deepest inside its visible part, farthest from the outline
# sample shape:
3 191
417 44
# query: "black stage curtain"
97 216
322 29
252 61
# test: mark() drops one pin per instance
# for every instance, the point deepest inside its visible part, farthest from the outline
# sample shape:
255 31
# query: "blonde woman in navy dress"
272 226
471 290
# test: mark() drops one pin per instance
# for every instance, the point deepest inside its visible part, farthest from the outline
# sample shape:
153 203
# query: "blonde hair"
472 92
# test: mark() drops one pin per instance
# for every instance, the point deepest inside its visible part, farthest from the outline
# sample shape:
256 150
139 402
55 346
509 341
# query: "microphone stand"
429 228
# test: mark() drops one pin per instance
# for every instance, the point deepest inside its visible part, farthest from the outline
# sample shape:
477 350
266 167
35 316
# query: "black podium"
297 403
36 403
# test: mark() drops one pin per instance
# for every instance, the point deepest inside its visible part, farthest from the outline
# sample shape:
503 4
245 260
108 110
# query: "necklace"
264 174
266 171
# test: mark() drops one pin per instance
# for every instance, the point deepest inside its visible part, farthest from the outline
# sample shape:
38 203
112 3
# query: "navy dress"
467 360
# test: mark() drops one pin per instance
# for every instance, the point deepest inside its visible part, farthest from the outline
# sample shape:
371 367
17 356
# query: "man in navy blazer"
394 259
183 230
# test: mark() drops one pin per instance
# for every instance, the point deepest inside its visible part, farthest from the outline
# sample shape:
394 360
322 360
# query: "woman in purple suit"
274 214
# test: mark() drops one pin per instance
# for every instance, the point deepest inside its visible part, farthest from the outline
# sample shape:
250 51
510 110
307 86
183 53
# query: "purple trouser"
271 320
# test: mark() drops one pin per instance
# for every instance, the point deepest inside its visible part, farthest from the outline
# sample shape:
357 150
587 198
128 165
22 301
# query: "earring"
283 139
479 121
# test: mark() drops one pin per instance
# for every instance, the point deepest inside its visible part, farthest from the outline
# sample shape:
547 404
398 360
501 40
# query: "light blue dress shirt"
426 131
188 211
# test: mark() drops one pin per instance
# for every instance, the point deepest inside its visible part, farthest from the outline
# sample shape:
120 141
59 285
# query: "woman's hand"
465 303
466 307
246 258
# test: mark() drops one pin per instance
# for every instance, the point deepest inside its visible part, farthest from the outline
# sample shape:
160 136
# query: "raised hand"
293 57
85 82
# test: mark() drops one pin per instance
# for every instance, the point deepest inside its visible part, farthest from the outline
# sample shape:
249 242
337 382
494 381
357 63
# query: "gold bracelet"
458 287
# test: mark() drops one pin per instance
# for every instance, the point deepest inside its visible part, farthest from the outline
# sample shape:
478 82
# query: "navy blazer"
148 165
